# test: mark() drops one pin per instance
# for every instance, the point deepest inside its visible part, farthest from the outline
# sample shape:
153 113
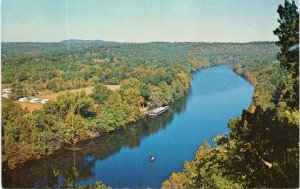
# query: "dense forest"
54 68
262 149
150 75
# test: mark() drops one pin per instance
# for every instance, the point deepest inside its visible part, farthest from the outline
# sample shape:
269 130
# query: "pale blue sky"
139 20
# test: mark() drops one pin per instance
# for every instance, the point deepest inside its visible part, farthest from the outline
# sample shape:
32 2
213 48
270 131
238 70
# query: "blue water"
122 159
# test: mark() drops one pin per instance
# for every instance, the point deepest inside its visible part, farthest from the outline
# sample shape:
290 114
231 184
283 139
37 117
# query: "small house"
7 90
5 95
44 101
24 99
34 100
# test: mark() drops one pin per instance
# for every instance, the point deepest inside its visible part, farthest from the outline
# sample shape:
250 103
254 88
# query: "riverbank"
56 107
91 135
214 97
246 75
245 156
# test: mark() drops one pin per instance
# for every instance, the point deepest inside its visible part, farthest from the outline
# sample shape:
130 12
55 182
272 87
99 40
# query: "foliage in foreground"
263 147
97 185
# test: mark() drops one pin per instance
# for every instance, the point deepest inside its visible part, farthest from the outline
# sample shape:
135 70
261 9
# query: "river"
121 159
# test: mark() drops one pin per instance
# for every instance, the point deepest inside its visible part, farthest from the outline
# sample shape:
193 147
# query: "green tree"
133 97
154 97
12 116
100 93
288 34
110 119
19 90
77 127
96 185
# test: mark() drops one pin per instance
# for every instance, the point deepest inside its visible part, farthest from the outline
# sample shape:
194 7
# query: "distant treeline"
33 67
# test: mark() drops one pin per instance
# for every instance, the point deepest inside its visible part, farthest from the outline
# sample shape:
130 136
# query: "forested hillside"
87 63
262 149
150 75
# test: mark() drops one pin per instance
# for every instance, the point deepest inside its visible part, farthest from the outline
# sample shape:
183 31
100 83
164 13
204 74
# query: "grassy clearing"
30 106
87 90
54 96
113 87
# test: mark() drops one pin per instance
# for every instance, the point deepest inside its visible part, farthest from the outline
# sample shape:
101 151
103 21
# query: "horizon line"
112 41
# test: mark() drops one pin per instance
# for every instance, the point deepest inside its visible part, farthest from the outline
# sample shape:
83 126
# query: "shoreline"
79 144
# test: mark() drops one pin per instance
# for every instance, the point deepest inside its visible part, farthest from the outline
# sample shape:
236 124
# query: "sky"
139 20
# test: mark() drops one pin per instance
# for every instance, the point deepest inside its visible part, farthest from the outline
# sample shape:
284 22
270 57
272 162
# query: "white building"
35 100
7 90
24 99
44 101
5 95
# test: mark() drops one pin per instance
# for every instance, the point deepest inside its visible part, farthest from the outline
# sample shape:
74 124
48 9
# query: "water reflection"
67 166
121 159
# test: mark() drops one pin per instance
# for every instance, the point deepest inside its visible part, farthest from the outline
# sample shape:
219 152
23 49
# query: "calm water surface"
121 159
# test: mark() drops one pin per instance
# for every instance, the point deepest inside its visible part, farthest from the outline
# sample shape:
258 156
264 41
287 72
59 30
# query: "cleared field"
30 106
87 90
54 96
113 87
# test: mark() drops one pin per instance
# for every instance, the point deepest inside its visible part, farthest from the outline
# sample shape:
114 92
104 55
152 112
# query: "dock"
157 111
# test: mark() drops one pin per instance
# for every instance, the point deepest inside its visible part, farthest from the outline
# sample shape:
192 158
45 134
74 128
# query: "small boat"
152 158
158 111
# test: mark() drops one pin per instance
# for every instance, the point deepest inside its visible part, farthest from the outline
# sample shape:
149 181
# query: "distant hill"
81 41
43 47
46 47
